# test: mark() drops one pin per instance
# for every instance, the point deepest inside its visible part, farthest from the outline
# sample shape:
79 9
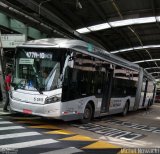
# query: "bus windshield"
38 69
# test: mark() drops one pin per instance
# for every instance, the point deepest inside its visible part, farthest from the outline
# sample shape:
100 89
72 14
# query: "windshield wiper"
37 85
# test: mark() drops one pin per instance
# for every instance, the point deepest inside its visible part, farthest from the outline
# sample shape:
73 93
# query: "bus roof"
83 47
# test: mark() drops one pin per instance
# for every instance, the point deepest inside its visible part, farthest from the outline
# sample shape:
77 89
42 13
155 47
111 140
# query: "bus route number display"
40 55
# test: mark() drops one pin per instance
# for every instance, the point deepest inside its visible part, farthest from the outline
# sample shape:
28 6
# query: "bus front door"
106 92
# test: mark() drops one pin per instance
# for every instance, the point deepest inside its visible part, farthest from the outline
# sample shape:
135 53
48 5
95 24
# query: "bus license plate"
26 111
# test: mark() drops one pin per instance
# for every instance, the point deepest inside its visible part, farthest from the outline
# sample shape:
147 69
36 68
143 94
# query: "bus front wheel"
87 115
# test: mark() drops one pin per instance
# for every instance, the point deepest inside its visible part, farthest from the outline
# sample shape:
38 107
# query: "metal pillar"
2 75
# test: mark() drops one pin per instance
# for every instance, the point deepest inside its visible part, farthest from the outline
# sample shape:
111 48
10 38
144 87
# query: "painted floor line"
5 122
29 143
16 135
11 128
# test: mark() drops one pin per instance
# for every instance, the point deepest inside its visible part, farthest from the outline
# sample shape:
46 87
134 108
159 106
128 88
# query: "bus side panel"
74 109
123 89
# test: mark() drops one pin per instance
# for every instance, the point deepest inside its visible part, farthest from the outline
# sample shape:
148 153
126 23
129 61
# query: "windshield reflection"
37 71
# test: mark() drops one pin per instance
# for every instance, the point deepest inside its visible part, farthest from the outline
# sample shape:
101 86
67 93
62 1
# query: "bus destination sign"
40 55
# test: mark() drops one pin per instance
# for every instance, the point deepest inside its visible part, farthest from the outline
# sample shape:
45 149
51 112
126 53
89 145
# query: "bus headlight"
52 99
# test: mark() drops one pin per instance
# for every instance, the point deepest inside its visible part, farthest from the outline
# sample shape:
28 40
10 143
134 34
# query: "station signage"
12 40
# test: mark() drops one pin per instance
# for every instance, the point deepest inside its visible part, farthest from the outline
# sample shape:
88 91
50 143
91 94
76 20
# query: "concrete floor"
140 129
137 129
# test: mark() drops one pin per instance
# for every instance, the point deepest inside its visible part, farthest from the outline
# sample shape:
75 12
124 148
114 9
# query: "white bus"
71 79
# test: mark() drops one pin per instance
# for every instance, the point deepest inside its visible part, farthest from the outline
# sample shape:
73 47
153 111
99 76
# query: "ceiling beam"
57 27
67 15
19 27
103 17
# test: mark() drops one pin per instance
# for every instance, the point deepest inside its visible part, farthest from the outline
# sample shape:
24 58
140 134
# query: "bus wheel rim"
87 113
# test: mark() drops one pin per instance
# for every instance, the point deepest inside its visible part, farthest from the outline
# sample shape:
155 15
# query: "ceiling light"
148 60
83 30
125 22
121 23
136 48
128 22
99 27
4 5
158 18
122 50
154 73
144 20
148 68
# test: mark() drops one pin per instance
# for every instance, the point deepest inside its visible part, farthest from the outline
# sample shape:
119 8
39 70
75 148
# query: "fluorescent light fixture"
144 20
122 50
83 30
99 27
154 73
158 18
122 23
148 60
136 48
4 5
141 61
119 23
151 46
149 68
115 51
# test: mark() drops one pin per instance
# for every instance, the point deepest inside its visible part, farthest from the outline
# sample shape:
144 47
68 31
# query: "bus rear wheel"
87 115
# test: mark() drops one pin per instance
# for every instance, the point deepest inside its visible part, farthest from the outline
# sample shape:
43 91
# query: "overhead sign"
12 40
26 61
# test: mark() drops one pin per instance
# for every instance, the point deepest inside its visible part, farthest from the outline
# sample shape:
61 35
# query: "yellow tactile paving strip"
95 144
101 145
62 131
78 138
45 126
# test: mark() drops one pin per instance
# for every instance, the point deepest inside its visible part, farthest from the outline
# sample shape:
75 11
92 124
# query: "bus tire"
87 115
126 108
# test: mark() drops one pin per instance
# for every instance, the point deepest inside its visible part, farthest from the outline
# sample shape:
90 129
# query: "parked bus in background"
81 81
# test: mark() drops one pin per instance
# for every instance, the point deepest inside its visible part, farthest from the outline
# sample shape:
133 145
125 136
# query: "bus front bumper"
45 110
